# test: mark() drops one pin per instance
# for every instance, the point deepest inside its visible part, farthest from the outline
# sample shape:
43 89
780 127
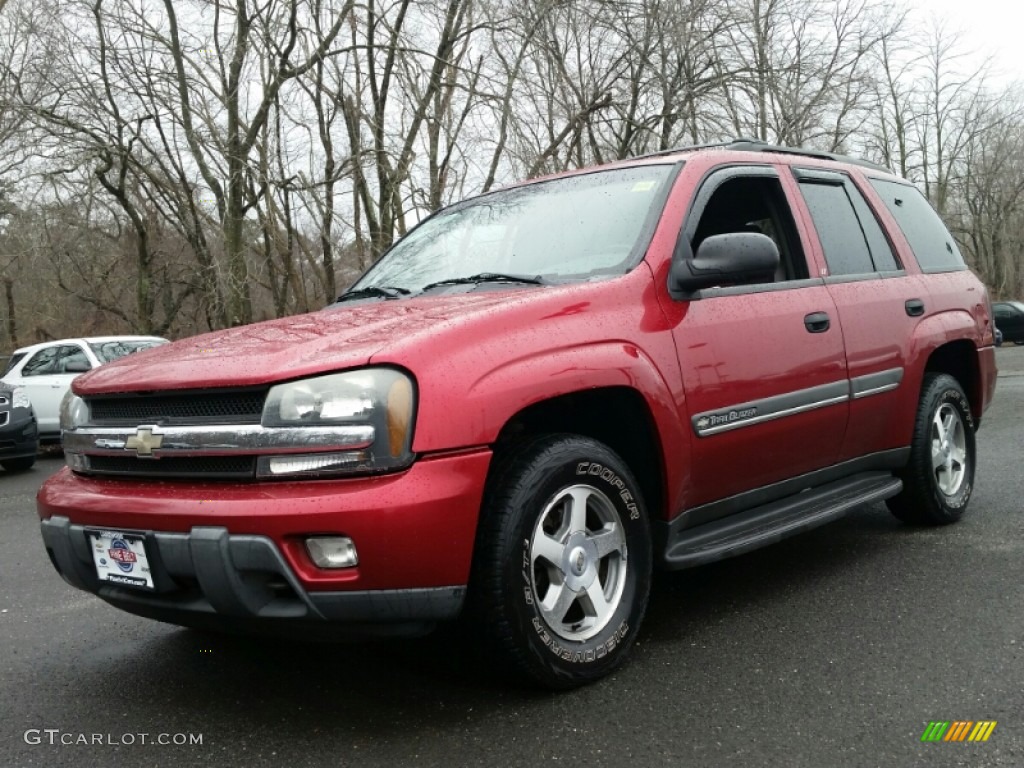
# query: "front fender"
476 415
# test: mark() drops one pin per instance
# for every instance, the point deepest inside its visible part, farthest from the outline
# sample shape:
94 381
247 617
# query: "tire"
18 465
562 567
939 478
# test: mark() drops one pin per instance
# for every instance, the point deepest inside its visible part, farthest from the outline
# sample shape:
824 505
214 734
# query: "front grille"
201 407
4 418
4 400
201 468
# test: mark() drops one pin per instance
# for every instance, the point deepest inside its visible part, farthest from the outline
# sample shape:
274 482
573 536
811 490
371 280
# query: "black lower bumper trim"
209 578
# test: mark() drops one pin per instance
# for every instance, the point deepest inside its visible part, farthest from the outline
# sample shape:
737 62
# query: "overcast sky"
990 27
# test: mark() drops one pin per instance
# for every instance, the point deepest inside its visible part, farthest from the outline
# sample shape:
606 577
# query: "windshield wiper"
487 277
374 291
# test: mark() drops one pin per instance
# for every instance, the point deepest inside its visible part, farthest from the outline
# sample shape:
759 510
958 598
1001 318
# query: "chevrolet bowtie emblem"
144 441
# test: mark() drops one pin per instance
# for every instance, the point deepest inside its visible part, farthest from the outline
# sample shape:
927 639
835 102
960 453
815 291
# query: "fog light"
76 461
332 551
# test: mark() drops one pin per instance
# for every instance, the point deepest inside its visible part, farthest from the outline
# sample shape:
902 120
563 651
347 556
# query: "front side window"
562 230
929 239
42 363
755 204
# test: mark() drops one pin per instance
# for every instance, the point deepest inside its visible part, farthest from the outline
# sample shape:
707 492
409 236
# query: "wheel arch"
959 359
617 416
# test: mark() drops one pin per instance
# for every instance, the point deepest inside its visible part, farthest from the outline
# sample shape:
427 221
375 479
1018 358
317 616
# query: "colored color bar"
935 730
951 733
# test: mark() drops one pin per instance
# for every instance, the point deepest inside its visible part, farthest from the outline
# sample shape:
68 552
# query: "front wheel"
563 562
939 477
18 465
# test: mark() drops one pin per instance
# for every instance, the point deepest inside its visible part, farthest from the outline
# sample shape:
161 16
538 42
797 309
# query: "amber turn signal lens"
399 415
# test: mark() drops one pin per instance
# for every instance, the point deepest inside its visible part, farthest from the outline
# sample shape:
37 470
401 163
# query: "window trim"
863 276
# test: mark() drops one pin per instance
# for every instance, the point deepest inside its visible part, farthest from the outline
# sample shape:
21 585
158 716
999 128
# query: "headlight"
74 412
380 401
19 398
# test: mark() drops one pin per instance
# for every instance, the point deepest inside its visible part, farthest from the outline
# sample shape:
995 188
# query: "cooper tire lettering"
563 640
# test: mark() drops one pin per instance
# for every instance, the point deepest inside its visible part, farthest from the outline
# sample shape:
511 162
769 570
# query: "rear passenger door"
763 365
879 305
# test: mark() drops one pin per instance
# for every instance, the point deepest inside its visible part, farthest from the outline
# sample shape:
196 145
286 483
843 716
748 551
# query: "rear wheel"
18 465
939 478
563 562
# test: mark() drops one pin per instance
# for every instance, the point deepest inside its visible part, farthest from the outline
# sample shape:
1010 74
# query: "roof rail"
756 145
687 148
743 144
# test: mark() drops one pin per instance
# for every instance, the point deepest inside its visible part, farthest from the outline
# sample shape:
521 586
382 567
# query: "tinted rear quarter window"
929 239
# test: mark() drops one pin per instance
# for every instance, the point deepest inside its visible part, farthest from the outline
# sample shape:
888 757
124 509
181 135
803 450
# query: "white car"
45 371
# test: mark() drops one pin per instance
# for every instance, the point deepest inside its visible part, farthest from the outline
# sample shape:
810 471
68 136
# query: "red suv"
533 399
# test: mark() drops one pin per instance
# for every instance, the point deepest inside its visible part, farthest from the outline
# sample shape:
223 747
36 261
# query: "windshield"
108 351
561 230
14 360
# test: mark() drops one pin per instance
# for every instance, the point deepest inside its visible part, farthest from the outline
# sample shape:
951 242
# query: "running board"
771 522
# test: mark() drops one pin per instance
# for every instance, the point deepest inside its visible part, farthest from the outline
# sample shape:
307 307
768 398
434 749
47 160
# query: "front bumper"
209 578
19 435
232 555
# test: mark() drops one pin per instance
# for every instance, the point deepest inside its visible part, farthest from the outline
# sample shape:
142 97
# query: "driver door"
763 365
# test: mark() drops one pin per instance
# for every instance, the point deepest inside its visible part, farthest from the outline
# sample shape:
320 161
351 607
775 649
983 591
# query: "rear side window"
72 354
839 230
878 244
929 239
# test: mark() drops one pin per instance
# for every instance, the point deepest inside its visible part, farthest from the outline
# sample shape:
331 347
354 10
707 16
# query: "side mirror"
77 366
736 257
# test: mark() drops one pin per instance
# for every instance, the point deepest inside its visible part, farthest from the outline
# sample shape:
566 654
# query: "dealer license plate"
120 558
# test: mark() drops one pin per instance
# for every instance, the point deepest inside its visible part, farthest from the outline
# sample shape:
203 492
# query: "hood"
339 337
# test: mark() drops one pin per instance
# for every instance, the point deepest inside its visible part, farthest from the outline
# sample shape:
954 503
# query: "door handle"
817 322
914 307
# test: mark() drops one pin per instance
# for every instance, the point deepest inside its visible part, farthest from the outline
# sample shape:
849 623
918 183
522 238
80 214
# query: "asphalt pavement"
833 648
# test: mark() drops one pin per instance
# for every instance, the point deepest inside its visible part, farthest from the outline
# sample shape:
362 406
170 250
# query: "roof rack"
743 144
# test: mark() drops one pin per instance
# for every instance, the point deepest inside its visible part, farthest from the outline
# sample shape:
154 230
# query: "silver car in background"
44 372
